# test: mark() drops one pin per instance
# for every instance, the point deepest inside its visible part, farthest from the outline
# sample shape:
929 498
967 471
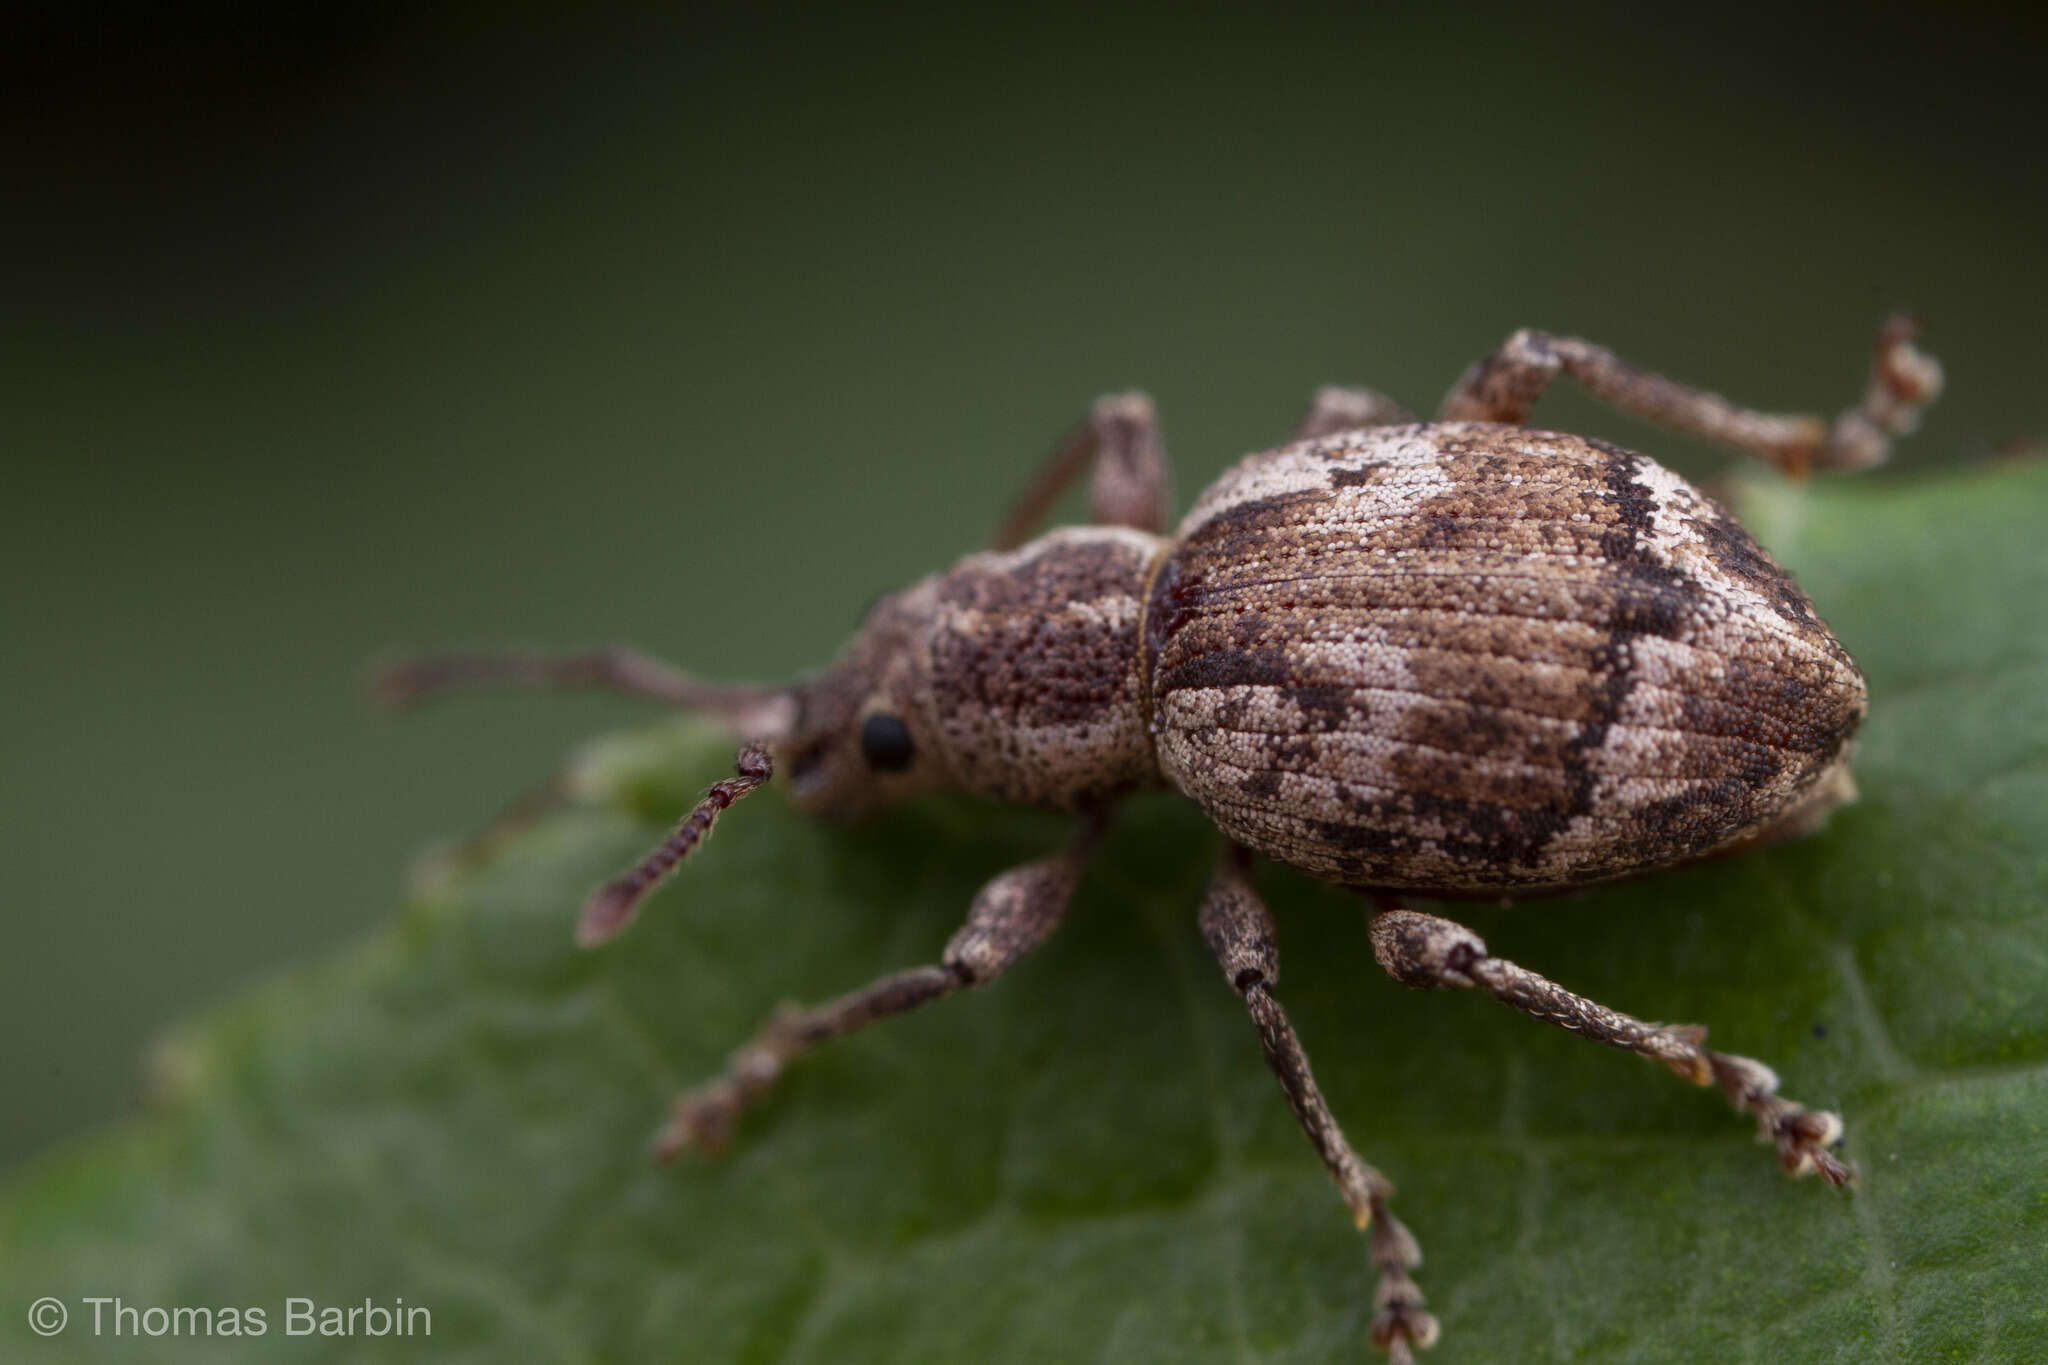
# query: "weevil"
1455 659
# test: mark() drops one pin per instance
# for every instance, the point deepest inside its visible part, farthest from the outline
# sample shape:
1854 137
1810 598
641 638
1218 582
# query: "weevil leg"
1341 409
751 711
1903 380
1431 953
1014 913
1239 930
1130 483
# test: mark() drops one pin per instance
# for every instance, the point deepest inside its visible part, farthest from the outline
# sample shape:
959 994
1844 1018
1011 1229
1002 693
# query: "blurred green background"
351 328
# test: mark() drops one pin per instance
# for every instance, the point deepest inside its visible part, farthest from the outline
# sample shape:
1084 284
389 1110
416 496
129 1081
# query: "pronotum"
1451 659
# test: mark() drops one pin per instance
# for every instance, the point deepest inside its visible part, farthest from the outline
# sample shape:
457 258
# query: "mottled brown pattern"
1032 661
1459 657
1465 657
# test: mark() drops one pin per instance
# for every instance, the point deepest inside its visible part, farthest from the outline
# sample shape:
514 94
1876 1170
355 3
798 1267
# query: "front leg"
1013 914
1431 953
1239 930
749 711
1130 484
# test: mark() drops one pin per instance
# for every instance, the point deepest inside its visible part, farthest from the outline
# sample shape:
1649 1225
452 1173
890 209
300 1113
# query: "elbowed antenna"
612 907
757 712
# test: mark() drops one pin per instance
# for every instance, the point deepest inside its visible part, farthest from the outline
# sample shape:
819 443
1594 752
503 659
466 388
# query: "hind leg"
1431 953
1903 380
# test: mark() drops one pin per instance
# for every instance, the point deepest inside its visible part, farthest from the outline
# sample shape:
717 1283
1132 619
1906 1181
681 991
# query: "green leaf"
1088 1161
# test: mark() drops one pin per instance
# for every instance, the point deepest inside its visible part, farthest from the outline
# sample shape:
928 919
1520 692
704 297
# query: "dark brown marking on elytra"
1454 783
1693 820
1251 518
1326 709
1463 727
1737 554
1260 786
1358 475
1651 600
1227 667
1484 840
1494 683
1797 710
1166 611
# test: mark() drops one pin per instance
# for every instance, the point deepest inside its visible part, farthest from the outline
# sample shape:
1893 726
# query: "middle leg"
1130 484
1240 933
1338 409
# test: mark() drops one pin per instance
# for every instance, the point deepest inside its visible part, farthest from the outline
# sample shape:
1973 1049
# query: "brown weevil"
1452 659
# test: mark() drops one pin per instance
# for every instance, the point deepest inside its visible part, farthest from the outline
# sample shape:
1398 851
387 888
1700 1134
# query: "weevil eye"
885 742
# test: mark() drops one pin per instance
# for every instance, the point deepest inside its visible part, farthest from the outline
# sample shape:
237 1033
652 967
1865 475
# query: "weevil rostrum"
1454 659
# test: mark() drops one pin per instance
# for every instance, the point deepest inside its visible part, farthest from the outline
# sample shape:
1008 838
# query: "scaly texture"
1464 657
1033 670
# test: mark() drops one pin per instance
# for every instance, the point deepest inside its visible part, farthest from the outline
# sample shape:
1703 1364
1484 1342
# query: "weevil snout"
846 740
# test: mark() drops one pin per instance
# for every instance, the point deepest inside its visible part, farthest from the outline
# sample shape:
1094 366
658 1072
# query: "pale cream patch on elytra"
1673 539
1410 474
1363 655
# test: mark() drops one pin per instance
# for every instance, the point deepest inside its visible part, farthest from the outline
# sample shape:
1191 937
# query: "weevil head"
862 733
1014 676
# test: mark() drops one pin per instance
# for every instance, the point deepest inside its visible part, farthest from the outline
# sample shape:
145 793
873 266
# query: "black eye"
885 742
